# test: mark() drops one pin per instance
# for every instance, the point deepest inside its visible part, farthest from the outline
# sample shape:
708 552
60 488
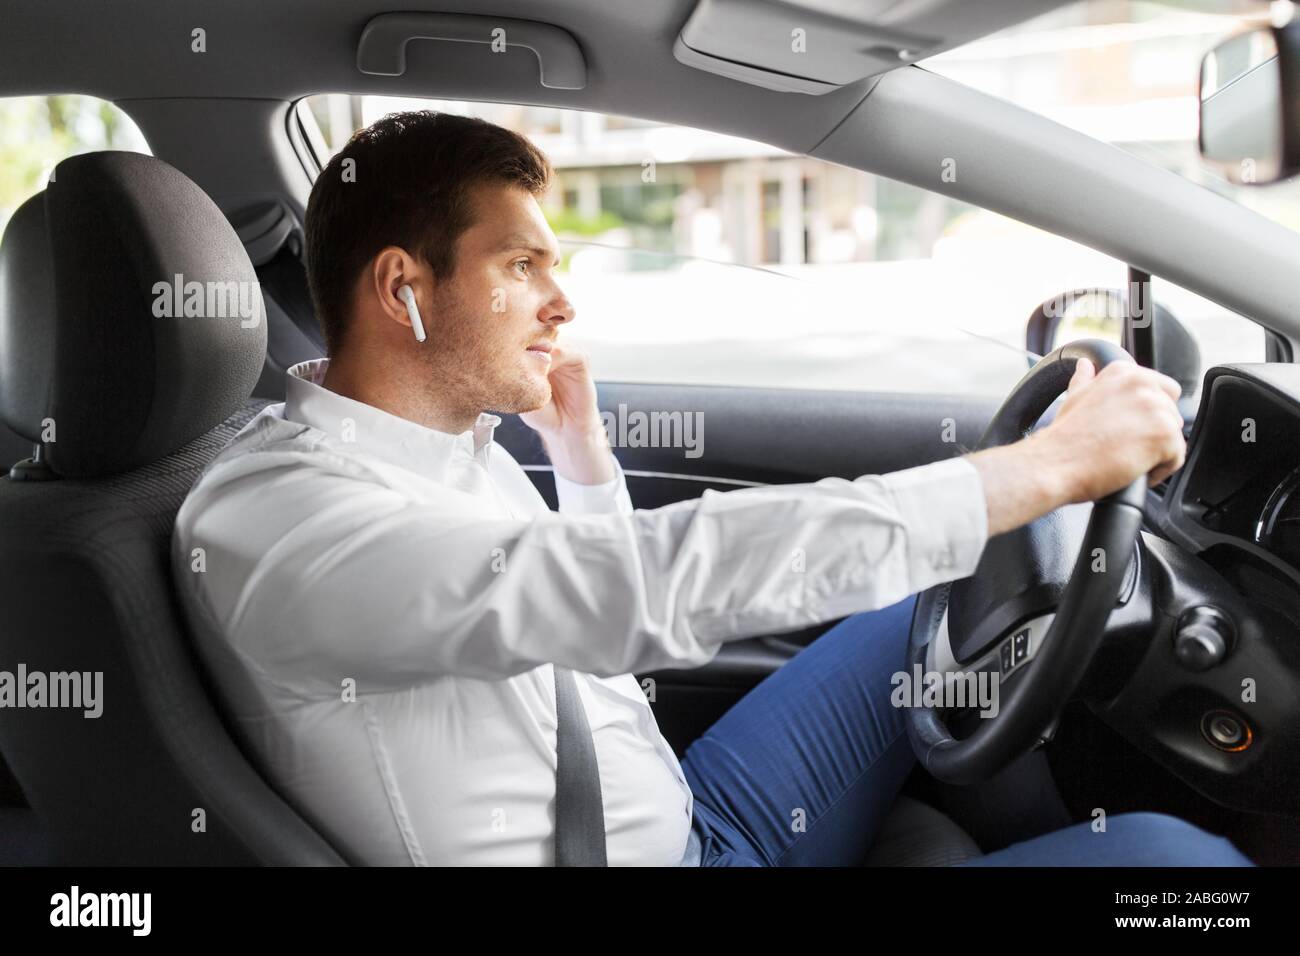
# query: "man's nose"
558 310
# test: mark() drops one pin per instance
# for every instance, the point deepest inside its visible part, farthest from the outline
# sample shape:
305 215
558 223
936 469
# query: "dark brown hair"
409 186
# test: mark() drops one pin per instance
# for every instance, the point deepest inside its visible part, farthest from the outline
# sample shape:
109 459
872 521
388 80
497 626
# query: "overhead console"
816 46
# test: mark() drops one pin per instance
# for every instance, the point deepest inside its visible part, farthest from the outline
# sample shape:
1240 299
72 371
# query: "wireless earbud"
413 310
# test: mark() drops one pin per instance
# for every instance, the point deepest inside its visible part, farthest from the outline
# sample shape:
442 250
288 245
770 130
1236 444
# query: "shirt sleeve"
610 497
365 583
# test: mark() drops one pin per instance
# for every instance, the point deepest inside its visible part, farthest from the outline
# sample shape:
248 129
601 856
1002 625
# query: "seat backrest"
127 385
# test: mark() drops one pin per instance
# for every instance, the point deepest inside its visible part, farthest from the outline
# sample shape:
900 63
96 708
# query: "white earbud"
407 296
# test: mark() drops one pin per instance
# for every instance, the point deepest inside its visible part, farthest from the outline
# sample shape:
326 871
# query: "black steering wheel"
1031 617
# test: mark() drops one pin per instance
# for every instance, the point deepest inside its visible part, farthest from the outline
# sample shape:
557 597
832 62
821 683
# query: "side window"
36 132
698 258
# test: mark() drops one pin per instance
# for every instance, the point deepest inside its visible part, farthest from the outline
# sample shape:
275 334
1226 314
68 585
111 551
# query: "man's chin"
530 395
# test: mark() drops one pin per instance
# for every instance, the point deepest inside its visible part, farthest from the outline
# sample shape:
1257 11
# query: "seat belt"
579 809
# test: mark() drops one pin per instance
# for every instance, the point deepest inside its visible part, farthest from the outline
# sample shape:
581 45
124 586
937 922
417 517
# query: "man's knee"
1159 839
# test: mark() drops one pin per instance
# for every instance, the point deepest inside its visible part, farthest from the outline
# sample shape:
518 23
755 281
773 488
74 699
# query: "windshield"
1125 73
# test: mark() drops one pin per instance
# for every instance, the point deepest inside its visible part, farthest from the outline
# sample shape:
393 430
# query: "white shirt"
380 604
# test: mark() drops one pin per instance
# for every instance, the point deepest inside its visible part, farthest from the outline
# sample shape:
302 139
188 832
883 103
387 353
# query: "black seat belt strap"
579 809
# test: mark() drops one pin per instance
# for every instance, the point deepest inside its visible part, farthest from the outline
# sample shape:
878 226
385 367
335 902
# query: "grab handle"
382 48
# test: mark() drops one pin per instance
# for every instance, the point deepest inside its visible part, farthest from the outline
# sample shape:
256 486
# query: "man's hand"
1115 426
1112 427
570 423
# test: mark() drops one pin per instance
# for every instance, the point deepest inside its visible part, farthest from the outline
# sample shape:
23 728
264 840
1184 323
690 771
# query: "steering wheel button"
1020 645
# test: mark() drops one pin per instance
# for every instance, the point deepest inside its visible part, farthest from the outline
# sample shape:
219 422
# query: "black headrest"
131 321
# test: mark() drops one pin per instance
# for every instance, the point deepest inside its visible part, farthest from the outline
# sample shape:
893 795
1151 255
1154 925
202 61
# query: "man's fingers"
1178 420
1164 470
1084 372
1177 453
1171 386
562 356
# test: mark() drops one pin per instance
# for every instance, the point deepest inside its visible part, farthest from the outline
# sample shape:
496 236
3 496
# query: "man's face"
494 317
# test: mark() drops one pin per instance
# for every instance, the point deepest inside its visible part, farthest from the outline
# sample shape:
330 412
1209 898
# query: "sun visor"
816 46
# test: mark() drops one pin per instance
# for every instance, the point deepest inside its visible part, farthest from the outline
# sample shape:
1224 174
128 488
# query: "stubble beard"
469 363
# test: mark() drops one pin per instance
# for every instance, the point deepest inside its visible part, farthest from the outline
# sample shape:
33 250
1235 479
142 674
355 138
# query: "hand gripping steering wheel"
1030 617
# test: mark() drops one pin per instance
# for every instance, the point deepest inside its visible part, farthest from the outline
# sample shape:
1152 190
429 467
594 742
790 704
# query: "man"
390 609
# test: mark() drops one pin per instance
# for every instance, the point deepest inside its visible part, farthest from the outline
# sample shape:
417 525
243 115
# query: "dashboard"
1236 499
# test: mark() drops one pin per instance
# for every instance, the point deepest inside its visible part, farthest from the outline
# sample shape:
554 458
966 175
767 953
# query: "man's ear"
395 280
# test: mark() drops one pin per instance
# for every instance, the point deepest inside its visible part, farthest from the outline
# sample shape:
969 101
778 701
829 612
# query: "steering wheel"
1029 619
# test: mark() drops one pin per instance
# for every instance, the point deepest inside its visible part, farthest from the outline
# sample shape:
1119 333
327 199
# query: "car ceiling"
285 49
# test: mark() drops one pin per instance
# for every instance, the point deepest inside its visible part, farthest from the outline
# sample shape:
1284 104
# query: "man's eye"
522 265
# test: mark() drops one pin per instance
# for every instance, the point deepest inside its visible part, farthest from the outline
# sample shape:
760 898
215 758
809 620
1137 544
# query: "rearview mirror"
1248 100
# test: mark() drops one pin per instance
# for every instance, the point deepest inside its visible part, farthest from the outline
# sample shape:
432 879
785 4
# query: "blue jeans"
802 770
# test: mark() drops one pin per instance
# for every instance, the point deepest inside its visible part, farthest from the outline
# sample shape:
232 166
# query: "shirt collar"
377 432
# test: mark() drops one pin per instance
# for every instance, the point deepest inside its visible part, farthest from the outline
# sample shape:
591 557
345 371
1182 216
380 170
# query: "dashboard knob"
1202 638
